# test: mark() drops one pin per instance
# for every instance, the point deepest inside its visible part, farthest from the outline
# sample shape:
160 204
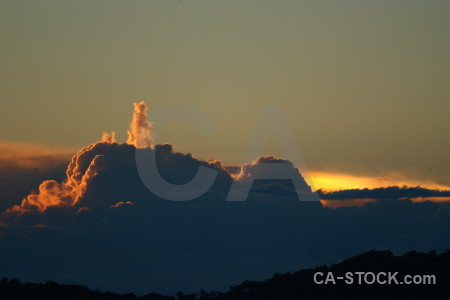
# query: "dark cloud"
102 227
393 192
111 232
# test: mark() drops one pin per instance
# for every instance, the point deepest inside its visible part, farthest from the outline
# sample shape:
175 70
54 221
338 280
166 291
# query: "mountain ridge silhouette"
296 285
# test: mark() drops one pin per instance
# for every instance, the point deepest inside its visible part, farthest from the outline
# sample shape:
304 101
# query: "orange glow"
28 155
340 181
119 204
109 137
81 170
51 193
423 199
333 204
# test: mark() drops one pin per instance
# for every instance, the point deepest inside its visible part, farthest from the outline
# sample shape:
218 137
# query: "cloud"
342 181
166 246
101 226
393 192
429 198
109 137
23 166
140 133
83 167
250 172
119 204
360 197
333 204
102 175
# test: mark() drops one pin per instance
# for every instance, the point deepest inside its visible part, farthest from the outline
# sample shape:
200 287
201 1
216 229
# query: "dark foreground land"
298 285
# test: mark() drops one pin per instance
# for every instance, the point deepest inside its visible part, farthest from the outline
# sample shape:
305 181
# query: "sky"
364 84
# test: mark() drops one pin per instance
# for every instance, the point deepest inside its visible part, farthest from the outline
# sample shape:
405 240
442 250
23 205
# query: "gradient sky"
365 84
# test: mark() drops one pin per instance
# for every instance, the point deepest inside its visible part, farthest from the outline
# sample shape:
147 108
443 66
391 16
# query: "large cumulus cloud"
23 166
101 226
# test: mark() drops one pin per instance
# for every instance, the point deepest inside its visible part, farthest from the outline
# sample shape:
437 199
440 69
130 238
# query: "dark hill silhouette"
298 285
14 289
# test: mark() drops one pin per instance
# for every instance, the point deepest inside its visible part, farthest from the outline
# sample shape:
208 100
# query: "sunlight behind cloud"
341 181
